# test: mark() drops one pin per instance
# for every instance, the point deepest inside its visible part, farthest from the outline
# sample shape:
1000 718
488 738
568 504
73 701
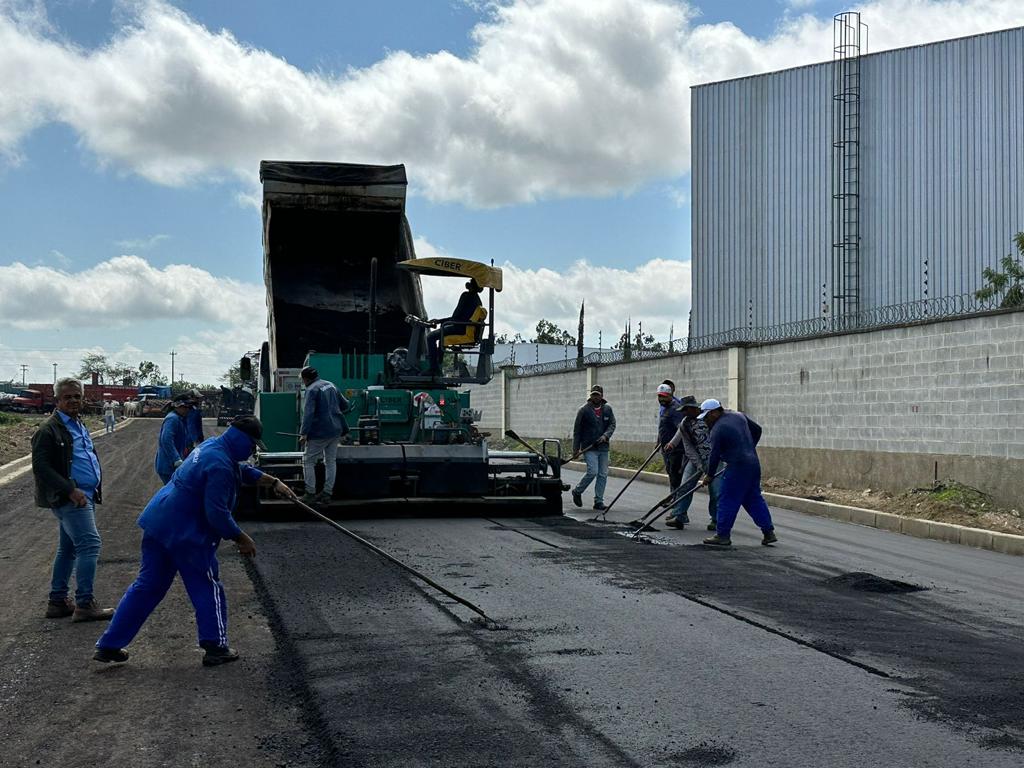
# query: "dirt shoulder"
16 432
162 708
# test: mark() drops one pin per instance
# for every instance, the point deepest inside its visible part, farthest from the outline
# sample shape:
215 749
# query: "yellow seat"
472 334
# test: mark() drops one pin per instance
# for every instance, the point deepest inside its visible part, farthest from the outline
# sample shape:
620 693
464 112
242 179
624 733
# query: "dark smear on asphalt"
705 753
860 581
577 652
957 659
1003 741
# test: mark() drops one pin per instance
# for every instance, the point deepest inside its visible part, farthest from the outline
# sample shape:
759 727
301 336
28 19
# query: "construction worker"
693 437
194 420
173 443
323 424
182 526
109 414
668 423
593 428
469 301
734 437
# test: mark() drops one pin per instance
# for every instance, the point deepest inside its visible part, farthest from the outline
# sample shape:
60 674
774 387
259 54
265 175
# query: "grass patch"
9 418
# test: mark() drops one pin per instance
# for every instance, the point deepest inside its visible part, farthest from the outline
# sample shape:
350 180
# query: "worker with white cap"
734 437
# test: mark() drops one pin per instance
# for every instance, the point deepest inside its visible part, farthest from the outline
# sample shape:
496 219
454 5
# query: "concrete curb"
1007 543
18 467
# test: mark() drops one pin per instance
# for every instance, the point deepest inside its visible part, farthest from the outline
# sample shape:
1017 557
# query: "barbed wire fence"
876 318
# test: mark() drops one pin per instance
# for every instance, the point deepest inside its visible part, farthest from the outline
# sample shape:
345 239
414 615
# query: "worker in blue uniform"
183 524
734 438
173 444
194 419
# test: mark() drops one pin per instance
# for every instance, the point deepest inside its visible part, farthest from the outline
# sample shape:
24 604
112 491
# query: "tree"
1010 282
504 338
94 363
549 333
149 373
184 386
233 376
579 338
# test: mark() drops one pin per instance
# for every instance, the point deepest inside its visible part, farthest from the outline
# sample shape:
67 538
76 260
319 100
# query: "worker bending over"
173 444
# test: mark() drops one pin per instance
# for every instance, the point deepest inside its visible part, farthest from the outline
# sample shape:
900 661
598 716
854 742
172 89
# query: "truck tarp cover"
332 174
323 224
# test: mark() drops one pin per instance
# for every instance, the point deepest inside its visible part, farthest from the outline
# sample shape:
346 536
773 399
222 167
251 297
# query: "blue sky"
112 146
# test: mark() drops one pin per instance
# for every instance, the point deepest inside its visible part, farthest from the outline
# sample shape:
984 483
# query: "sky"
551 136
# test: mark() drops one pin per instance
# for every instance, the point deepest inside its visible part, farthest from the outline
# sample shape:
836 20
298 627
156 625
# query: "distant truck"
29 401
234 402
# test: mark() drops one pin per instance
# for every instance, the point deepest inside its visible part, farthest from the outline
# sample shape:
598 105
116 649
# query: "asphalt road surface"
841 646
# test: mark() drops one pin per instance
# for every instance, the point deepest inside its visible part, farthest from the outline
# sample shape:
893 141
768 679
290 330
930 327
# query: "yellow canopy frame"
443 266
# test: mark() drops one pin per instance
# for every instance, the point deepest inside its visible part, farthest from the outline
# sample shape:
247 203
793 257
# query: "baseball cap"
251 426
180 400
708 405
597 388
664 389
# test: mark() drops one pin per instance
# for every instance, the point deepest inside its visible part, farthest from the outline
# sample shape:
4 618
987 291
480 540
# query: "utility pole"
55 374
23 369
173 353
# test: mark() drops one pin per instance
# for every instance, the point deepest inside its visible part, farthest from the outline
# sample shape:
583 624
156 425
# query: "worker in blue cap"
173 444
183 524
194 419
734 438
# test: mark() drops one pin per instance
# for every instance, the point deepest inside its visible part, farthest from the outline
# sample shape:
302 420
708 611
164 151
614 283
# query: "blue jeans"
597 466
691 476
78 549
199 573
108 423
741 486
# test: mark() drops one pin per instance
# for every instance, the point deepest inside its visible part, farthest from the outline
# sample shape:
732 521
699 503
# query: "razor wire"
893 315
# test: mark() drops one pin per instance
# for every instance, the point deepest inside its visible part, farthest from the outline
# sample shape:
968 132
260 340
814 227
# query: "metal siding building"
941 181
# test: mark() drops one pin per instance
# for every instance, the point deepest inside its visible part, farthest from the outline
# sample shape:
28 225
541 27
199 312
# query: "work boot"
309 498
675 522
712 526
218 654
323 498
60 609
717 541
577 498
90 612
107 655
600 506
769 537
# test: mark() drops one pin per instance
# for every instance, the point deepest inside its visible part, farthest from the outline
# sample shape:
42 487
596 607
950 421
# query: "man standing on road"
173 443
109 414
734 437
67 475
674 457
322 426
182 525
194 420
593 428
693 437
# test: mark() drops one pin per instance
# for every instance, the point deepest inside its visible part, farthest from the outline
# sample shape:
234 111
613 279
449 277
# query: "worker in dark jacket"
593 428
68 482
734 438
469 301
173 444
194 420
669 417
182 526
323 424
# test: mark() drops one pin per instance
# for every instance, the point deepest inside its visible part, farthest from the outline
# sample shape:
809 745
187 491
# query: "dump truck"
344 296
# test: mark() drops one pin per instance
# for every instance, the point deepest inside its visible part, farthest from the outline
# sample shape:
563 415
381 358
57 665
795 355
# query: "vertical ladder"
847 33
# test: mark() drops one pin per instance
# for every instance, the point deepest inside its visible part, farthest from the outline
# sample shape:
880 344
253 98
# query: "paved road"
652 654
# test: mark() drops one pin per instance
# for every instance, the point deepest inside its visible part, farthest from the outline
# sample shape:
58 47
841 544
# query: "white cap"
664 389
708 405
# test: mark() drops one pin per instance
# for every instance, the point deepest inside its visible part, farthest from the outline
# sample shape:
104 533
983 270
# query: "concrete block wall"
487 400
545 406
631 387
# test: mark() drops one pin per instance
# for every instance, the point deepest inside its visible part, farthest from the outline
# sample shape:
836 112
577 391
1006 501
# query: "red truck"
29 401
38 398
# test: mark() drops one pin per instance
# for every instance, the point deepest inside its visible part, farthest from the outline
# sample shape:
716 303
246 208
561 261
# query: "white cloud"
557 97
656 294
142 243
118 292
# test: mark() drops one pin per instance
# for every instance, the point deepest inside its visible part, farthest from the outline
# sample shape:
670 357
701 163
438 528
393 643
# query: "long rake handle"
628 482
667 502
395 560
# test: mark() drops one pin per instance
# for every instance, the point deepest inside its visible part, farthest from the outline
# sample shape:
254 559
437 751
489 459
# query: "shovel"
623 490
511 435
643 525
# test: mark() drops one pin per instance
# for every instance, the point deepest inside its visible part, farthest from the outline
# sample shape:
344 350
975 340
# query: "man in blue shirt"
173 443
194 419
734 438
68 482
183 524
323 424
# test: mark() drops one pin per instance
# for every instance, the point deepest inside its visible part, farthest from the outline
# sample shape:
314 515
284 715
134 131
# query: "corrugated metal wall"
942 181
